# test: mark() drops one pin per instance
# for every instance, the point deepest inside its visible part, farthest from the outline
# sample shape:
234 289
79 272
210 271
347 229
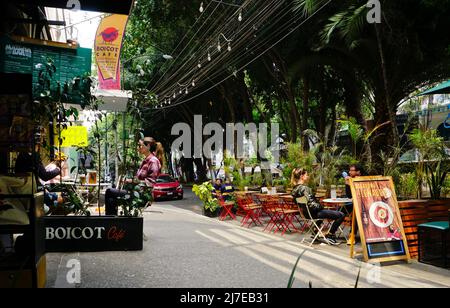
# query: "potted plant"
136 200
205 194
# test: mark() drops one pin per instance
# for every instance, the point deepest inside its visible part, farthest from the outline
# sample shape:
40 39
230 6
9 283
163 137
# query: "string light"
199 65
193 83
260 54
187 91
228 46
201 8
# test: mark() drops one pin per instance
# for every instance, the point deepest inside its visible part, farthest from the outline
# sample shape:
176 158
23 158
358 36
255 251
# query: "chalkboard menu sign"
24 57
378 216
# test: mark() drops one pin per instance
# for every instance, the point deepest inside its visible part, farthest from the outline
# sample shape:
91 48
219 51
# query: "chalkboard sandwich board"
378 216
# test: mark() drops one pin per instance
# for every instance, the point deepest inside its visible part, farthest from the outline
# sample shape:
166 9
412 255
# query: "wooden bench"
416 212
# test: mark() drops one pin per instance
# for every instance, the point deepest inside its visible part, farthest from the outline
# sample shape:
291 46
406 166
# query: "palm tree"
395 57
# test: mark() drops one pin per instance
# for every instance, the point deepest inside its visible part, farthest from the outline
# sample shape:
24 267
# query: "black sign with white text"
92 234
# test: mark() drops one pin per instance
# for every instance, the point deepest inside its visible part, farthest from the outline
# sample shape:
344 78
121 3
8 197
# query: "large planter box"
93 234
416 212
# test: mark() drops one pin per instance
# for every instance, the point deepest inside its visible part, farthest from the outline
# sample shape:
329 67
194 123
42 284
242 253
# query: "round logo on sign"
381 215
109 35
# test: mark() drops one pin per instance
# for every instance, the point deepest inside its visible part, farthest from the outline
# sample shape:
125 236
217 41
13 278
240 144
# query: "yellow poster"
74 136
108 45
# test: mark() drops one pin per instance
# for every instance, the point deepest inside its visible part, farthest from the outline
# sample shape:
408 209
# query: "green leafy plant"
406 185
361 138
138 197
431 152
436 178
292 277
204 193
72 203
297 158
328 160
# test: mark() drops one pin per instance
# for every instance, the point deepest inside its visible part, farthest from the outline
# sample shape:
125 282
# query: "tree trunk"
187 166
389 106
201 170
305 143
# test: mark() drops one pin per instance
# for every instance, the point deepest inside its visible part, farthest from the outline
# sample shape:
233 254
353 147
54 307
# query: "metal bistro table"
338 203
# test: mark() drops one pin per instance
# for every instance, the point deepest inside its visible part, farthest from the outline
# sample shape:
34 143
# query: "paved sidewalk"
186 250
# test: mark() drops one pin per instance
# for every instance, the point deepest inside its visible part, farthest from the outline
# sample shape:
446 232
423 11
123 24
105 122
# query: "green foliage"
138 197
406 185
436 178
430 168
205 193
72 203
297 158
329 160
292 277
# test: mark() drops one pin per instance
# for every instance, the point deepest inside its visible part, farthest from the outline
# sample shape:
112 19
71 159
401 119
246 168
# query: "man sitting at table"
299 181
354 171
228 190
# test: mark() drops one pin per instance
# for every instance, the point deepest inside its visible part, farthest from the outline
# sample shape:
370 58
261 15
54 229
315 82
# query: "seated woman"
299 180
148 173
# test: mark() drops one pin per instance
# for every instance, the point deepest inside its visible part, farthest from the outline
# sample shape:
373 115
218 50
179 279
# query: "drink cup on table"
83 179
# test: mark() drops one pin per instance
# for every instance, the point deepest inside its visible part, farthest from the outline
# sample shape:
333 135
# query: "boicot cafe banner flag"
108 45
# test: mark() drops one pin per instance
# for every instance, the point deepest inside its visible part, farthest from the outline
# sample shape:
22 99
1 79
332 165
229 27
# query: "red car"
167 187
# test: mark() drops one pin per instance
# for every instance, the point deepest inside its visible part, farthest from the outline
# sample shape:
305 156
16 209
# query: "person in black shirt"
354 171
299 181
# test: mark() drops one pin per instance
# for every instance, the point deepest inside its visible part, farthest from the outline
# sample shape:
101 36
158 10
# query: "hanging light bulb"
219 47
240 16
174 95
181 91
229 46
199 65
209 57
187 91
201 8
193 83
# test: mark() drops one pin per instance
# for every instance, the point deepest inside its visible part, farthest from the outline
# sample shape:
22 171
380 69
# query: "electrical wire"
248 24
251 22
251 61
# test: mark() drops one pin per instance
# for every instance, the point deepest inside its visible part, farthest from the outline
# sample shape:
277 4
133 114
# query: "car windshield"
165 179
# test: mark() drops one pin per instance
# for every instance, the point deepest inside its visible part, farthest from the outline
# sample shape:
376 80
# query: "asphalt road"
190 202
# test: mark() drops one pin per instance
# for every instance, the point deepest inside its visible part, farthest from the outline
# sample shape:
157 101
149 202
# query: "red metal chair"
290 212
250 209
227 208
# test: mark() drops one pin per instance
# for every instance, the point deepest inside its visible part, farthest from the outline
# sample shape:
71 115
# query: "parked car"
167 187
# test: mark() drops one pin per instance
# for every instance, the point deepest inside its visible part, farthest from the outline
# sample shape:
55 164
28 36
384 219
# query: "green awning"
443 88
